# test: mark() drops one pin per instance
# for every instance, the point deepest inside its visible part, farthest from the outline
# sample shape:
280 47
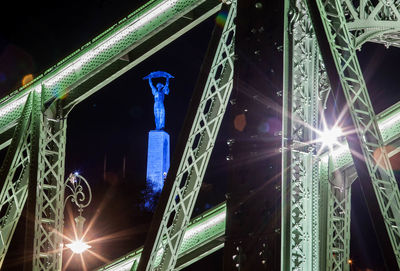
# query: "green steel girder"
304 95
109 55
196 144
370 143
374 21
147 30
34 173
14 178
49 213
122 47
335 186
203 236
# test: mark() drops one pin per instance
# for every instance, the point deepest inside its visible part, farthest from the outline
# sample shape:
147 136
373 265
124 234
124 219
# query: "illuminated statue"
158 92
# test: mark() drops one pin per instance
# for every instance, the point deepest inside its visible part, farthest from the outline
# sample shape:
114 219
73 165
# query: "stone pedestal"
157 159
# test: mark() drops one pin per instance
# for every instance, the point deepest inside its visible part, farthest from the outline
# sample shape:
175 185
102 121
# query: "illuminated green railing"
389 123
201 231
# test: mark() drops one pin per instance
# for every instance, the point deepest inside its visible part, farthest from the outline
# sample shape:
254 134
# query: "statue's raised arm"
166 87
158 92
153 88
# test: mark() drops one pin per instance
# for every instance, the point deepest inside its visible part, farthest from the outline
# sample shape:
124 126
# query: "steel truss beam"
200 131
368 142
119 49
14 175
375 21
336 179
304 95
100 61
49 218
203 236
338 226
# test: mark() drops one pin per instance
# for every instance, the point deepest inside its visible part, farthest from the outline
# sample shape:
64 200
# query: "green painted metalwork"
124 45
14 175
373 21
62 82
344 54
340 159
336 202
389 123
298 250
49 217
201 231
196 154
304 94
34 174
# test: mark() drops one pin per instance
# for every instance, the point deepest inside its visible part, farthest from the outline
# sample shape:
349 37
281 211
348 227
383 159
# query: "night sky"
113 123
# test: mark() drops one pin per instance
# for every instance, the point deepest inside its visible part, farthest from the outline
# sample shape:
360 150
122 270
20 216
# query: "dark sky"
114 122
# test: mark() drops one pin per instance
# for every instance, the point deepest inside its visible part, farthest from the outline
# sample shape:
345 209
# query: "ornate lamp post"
76 184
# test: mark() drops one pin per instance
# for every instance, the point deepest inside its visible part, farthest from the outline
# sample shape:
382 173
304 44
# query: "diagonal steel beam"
14 177
196 142
374 169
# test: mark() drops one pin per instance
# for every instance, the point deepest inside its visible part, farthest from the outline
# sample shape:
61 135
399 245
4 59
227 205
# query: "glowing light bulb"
330 137
78 246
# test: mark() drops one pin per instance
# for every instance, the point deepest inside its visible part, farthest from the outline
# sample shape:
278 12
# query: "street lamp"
76 184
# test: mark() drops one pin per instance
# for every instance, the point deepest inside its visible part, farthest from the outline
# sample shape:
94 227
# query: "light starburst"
330 137
78 246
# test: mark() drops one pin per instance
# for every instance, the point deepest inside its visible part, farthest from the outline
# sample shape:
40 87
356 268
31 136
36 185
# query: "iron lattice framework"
48 240
316 196
183 193
305 92
338 212
375 21
15 174
298 222
386 189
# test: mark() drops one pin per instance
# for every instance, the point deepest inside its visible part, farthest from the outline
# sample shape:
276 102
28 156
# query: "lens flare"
330 137
78 246
240 122
26 79
221 18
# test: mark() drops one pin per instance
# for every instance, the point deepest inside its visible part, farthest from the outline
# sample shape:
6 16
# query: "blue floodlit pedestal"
157 159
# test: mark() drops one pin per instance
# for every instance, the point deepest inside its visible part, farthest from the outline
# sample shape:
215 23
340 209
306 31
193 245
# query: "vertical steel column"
14 175
336 183
33 177
199 134
338 237
334 36
50 191
303 90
